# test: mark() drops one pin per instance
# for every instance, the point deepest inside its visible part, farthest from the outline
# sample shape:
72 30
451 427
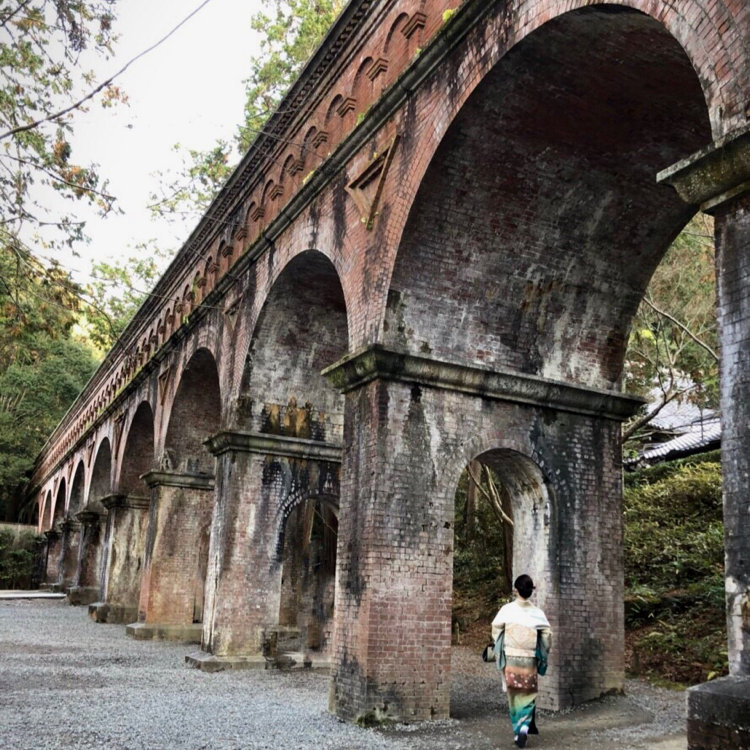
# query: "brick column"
410 425
87 580
258 477
70 542
170 605
718 180
52 559
123 558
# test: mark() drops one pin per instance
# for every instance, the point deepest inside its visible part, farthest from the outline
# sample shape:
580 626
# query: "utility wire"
104 84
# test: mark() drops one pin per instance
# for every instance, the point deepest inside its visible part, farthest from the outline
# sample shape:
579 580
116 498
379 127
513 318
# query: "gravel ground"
66 682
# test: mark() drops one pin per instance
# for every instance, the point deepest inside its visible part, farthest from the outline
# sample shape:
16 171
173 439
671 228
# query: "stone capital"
275 445
715 175
134 502
70 524
376 362
178 479
89 517
52 534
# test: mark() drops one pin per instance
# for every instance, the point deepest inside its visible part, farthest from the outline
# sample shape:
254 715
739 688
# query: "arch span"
538 223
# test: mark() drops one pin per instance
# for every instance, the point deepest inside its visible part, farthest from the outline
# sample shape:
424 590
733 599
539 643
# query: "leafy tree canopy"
672 352
43 366
117 290
44 46
290 31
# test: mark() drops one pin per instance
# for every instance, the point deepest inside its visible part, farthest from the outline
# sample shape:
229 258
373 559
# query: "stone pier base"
78 595
719 715
143 631
209 663
112 613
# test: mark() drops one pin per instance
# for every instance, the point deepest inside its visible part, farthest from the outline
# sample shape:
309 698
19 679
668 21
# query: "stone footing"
719 715
296 660
78 595
112 613
143 631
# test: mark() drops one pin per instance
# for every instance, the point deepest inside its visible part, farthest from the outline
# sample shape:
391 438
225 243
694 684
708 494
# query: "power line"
104 84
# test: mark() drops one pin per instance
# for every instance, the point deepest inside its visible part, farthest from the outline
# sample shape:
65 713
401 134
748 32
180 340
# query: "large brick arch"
101 476
538 222
57 510
77 486
300 330
195 415
137 456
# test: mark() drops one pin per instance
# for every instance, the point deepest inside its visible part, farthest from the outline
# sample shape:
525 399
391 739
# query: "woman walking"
522 638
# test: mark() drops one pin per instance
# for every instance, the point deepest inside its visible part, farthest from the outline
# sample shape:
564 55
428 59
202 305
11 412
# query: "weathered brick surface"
477 187
393 595
733 276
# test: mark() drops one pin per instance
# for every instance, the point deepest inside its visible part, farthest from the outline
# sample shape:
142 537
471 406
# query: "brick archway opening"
138 454
521 532
539 223
59 510
76 491
101 478
308 567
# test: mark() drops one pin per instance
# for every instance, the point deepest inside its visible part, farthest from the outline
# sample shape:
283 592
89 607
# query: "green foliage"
291 31
191 190
674 564
42 51
118 289
674 531
479 584
674 336
42 367
17 559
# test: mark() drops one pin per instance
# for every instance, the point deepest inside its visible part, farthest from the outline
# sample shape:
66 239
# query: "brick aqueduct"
433 254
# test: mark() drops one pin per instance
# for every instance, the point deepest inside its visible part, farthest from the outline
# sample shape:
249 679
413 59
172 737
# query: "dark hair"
524 585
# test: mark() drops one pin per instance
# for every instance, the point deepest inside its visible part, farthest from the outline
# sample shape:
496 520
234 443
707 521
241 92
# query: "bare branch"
683 327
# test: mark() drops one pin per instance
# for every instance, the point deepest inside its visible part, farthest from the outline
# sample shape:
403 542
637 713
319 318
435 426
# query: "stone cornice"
179 479
714 175
134 502
87 517
274 445
377 362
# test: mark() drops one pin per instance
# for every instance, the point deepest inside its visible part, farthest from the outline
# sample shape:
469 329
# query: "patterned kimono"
520 623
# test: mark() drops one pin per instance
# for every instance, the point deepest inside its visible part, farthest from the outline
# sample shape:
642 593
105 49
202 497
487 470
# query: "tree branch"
104 84
682 327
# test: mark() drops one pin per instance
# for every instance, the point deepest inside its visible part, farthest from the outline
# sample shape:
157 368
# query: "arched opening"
292 411
532 237
101 477
301 330
503 516
76 491
138 455
539 222
59 509
181 518
195 415
308 568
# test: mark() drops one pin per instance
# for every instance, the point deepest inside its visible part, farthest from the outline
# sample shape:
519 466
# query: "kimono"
525 638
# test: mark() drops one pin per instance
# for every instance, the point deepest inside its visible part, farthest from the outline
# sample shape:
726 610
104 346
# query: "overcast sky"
189 90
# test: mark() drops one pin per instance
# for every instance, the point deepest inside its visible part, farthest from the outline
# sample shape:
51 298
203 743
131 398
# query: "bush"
17 559
674 570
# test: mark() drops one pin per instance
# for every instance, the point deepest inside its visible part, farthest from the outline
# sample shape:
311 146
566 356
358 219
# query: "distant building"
680 429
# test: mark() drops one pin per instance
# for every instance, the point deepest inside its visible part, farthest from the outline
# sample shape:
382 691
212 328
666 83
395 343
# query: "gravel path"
66 682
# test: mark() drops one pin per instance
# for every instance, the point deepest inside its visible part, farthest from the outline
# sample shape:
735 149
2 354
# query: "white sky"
189 90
